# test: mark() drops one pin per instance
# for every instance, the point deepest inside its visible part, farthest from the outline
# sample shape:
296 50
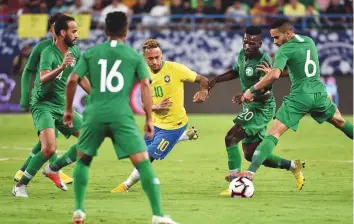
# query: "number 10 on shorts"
163 145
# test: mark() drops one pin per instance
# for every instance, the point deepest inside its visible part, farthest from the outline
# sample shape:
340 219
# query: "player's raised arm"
203 92
227 76
46 75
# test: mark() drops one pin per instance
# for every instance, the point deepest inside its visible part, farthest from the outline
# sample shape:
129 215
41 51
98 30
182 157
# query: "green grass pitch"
192 176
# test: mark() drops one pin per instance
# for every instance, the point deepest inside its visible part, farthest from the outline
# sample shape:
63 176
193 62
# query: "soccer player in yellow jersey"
169 115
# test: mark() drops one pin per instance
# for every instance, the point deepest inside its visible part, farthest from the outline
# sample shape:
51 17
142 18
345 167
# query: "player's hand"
68 60
149 129
237 99
247 96
264 67
165 104
200 96
68 118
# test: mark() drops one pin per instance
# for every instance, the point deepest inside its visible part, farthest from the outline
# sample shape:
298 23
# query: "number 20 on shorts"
246 115
163 145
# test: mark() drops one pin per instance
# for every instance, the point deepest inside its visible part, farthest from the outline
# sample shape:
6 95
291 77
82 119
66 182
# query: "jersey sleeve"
235 66
142 71
81 67
186 74
33 59
46 60
281 58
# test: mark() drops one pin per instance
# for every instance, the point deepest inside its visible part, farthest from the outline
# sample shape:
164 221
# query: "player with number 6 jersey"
307 94
251 124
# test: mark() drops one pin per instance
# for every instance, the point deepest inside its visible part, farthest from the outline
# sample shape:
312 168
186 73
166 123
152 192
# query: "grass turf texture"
192 176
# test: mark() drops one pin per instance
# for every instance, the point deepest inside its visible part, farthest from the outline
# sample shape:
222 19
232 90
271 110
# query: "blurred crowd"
145 12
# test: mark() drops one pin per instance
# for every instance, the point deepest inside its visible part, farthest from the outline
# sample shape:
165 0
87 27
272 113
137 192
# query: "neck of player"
63 48
253 56
119 39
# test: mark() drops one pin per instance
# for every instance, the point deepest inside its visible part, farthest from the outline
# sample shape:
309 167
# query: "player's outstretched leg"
21 171
345 126
48 142
131 181
151 186
189 134
54 168
274 161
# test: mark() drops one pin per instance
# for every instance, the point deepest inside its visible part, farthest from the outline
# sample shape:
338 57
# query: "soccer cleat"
192 133
79 217
162 220
18 175
298 173
65 178
20 191
225 193
120 189
234 175
55 177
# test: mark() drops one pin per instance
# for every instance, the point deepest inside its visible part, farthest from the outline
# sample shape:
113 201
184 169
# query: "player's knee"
85 159
248 156
48 150
231 140
337 120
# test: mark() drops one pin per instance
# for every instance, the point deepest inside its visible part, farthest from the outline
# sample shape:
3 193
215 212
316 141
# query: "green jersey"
248 74
300 56
53 92
33 60
111 68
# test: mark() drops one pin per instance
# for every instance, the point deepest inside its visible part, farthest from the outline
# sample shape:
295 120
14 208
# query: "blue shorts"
163 141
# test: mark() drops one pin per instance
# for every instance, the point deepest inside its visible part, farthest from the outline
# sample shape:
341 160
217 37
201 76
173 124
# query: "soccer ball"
241 187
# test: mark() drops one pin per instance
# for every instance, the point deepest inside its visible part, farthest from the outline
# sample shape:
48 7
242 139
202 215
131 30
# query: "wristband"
252 89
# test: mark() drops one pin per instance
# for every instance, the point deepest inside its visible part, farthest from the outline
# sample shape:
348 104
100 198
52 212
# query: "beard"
68 41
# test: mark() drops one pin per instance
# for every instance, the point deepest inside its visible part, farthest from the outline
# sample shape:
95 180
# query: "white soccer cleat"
55 177
162 220
20 191
79 217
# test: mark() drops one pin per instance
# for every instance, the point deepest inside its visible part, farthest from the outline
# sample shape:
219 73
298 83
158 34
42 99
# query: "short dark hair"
54 18
253 30
280 23
62 24
116 24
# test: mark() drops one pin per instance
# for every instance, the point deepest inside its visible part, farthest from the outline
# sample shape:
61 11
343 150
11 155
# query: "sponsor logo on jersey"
249 71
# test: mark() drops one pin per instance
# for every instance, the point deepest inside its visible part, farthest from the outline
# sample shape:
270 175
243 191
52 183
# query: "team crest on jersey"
167 79
73 64
249 71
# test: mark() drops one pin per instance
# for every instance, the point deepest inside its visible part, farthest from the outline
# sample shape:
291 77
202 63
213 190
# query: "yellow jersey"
168 83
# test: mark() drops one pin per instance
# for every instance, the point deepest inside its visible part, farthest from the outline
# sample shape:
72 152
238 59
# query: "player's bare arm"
48 75
85 85
227 76
147 103
202 94
70 92
267 80
237 99
165 104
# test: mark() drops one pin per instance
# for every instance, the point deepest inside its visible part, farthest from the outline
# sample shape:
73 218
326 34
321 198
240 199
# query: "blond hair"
150 44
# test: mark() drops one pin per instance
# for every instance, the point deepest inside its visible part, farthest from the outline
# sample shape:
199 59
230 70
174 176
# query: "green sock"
234 158
33 167
81 177
68 158
151 186
262 152
35 150
274 161
348 129
53 158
